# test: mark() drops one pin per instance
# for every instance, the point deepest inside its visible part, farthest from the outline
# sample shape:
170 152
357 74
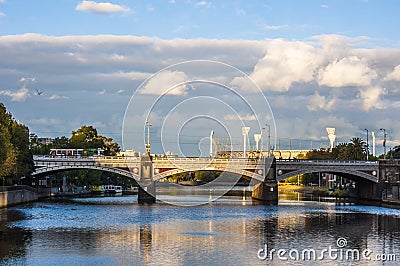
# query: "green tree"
341 152
20 141
61 142
15 157
321 154
87 137
357 149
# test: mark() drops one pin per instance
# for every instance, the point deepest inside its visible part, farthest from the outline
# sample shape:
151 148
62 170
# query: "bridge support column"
267 192
147 187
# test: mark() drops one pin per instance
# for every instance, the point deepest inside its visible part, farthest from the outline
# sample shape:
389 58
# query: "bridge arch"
61 168
245 173
350 174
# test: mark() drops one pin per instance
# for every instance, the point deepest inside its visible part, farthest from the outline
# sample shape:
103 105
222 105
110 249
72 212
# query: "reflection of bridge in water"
265 172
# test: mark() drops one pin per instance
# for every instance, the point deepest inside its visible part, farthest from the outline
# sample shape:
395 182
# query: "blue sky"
318 63
207 19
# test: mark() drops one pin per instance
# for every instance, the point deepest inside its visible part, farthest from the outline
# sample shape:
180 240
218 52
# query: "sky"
298 66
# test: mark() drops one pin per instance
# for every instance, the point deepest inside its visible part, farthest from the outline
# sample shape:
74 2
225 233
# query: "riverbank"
320 191
10 196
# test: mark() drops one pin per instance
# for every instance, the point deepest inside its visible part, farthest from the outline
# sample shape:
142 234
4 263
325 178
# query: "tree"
15 157
341 152
321 154
394 153
61 142
87 137
20 141
357 149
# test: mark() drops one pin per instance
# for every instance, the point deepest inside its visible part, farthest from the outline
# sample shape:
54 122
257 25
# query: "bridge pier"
267 192
147 187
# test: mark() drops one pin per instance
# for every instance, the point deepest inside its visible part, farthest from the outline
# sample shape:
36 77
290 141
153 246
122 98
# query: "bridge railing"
336 162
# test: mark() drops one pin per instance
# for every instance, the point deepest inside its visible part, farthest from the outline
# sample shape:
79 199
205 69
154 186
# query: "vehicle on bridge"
87 152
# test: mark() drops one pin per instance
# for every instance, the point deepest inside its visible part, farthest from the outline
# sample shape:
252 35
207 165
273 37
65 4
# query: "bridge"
264 171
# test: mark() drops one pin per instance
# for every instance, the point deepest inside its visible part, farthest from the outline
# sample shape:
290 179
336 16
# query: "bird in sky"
39 92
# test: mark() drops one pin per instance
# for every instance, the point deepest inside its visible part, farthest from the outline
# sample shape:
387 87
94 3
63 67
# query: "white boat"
112 190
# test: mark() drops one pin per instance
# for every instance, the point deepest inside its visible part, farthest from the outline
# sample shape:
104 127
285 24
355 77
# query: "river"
228 231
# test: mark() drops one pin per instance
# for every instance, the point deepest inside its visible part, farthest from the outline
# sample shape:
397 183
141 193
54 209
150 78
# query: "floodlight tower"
257 138
148 138
211 143
373 143
331 136
245 132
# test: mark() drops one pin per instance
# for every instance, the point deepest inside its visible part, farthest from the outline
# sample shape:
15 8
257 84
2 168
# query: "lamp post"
148 138
384 142
269 136
367 143
245 131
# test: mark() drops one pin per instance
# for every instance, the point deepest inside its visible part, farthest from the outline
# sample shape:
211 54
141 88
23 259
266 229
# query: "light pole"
269 136
148 138
367 143
245 131
384 142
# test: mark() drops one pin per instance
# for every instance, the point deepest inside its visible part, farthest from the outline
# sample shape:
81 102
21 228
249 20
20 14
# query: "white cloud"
204 4
284 63
58 97
371 98
100 8
150 8
102 92
324 6
44 121
120 91
294 75
23 79
274 27
247 117
163 83
349 71
19 96
2 14
394 75
316 102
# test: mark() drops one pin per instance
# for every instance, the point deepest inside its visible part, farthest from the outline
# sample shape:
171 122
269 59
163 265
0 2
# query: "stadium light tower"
245 132
331 136
211 143
257 138
373 143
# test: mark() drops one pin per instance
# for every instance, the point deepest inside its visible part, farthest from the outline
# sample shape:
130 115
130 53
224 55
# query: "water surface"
229 231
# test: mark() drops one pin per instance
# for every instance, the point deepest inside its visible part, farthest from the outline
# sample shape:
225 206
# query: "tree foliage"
15 156
355 150
83 137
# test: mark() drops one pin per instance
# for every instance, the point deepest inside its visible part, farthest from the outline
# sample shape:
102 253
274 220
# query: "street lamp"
269 137
367 143
384 142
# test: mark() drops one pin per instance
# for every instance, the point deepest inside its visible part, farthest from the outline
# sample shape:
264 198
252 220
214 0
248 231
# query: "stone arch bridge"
265 171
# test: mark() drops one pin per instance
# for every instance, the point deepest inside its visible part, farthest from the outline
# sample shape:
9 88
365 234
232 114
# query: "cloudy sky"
317 63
